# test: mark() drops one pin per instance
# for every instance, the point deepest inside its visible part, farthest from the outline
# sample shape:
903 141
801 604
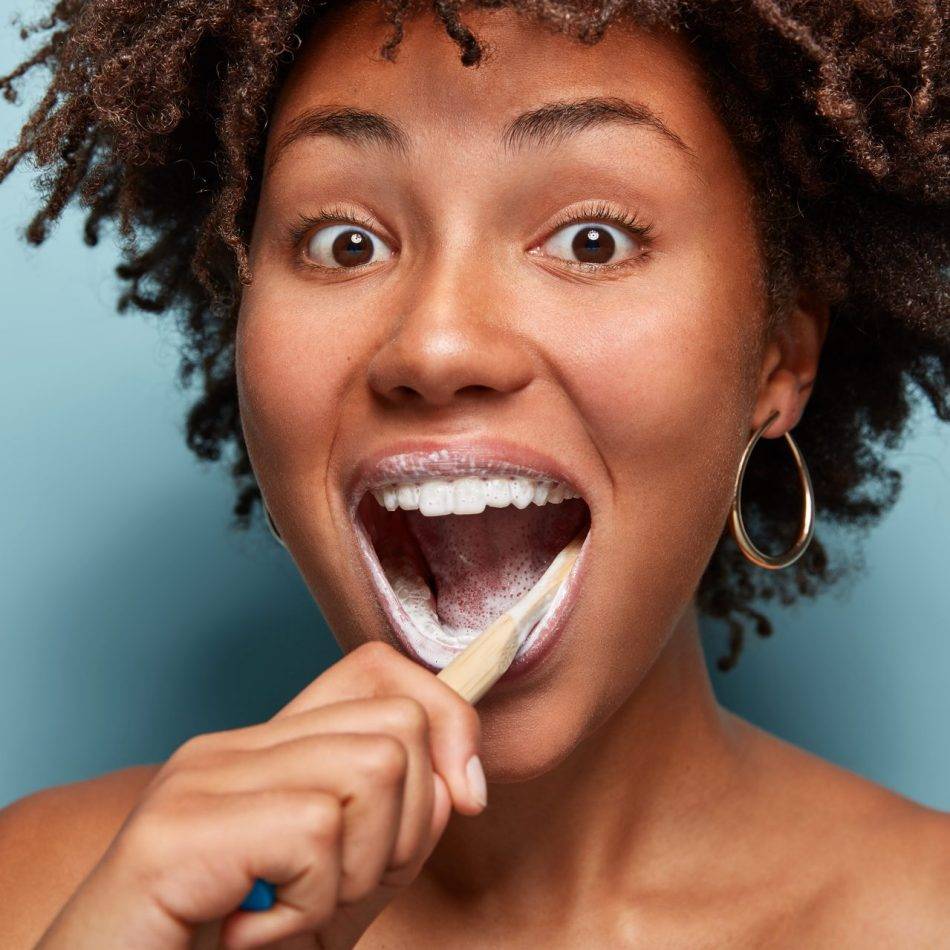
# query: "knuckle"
195 747
408 717
374 656
383 759
322 815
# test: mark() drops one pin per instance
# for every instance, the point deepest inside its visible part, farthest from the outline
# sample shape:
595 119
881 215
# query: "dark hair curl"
154 120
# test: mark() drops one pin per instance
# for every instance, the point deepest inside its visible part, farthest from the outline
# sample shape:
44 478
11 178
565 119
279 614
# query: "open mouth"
454 553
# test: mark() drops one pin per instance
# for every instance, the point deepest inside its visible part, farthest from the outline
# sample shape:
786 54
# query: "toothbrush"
479 666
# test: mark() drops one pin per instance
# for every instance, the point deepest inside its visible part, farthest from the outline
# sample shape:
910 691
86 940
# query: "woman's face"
476 306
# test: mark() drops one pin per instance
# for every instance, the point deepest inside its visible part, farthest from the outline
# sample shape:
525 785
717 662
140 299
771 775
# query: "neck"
630 805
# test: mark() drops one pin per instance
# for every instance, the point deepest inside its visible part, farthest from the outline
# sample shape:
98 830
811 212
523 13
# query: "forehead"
433 101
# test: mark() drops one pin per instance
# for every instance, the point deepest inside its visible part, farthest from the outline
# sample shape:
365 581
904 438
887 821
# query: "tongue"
483 564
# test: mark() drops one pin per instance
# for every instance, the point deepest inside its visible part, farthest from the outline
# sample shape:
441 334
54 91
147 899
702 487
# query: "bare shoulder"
872 867
891 886
50 840
894 884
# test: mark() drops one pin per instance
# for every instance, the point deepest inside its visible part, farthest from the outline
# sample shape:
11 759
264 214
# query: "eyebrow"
550 123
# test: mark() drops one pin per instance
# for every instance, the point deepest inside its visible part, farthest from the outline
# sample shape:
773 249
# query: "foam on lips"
458 552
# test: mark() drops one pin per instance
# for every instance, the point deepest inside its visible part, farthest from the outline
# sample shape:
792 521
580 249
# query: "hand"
338 800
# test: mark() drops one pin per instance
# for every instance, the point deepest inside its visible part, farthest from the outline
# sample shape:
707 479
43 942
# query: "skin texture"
625 806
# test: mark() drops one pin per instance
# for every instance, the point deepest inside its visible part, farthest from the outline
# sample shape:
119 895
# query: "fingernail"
475 775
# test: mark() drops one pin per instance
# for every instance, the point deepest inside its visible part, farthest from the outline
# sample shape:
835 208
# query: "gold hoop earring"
806 530
272 526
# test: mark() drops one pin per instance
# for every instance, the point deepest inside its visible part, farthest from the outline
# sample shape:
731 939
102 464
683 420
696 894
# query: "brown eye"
593 243
343 246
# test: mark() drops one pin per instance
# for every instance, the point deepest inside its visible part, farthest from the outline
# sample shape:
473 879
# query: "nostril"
405 393
408 394
476 390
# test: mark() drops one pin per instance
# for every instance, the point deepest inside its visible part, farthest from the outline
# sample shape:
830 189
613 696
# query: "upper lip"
417 460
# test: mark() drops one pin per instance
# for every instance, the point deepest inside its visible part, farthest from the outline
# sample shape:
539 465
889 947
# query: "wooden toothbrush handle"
477 668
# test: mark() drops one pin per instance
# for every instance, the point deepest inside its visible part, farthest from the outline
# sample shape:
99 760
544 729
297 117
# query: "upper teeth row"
469 495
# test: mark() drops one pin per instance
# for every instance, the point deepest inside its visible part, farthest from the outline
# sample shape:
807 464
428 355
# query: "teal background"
132 617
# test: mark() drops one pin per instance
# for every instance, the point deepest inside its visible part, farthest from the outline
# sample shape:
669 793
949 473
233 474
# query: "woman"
601 253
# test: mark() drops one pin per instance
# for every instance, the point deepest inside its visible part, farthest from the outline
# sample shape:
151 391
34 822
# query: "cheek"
662 372
664 387
291 373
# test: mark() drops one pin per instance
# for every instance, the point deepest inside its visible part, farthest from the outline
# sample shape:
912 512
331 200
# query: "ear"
790 364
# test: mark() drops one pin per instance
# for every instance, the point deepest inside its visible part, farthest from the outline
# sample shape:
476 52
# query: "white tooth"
389 498
541 490
435 498
378 495
498 492
556 495
522 491
469 496
408 497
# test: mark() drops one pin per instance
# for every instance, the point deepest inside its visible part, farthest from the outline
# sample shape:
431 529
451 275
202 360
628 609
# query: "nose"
453 344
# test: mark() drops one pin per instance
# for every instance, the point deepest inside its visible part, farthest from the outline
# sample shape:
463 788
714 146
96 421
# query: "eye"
592 244
343 246
338 240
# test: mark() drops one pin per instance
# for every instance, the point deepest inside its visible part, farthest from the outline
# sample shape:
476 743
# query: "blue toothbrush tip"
260 896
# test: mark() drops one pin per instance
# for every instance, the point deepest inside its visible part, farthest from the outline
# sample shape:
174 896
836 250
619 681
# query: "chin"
514 753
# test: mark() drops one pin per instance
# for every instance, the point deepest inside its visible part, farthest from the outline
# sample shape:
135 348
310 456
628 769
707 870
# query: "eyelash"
335 214
599 211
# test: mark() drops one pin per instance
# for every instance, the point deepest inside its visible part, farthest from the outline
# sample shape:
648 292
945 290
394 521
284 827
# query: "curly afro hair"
154 119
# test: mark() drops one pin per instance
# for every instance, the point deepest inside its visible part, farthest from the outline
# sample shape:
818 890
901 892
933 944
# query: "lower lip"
545 636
